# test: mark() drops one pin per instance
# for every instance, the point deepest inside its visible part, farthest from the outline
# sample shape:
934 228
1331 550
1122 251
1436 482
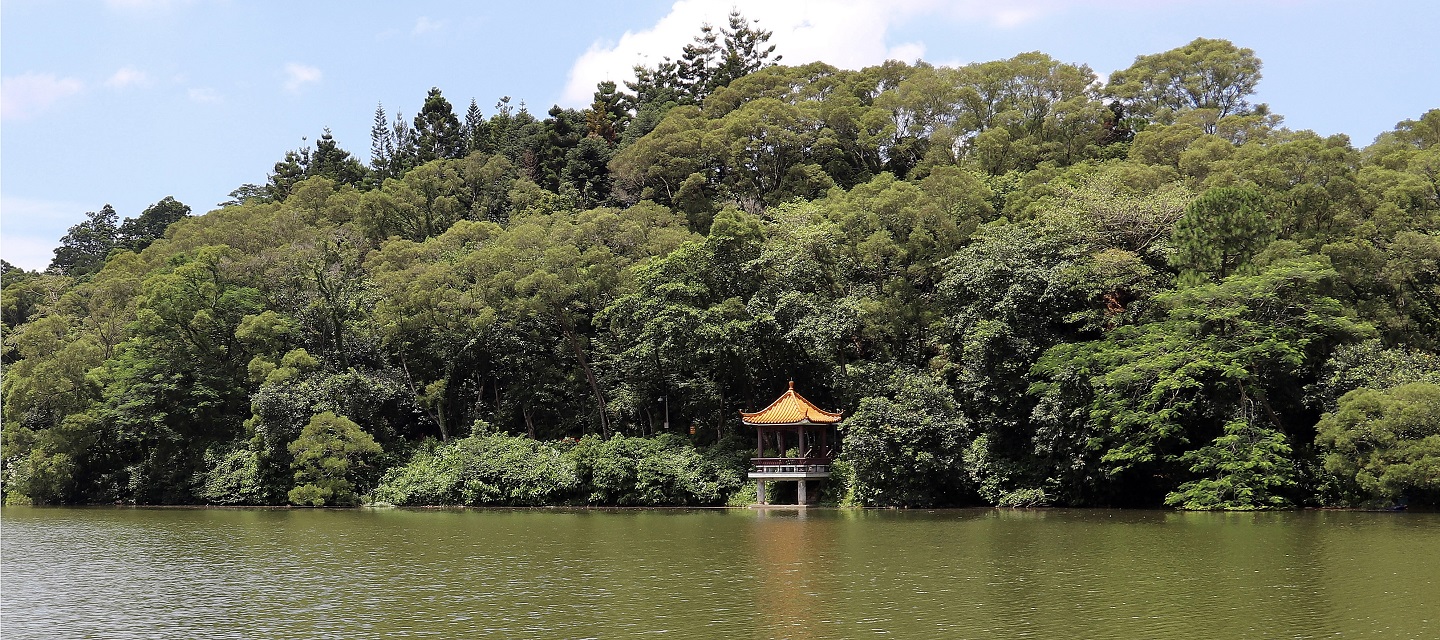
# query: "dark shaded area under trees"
1022 287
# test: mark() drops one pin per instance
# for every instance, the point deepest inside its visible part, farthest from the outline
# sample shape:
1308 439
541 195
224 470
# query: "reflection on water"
232 573
793 556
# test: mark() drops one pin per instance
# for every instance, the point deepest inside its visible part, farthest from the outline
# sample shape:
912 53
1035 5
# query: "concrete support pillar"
760 490
800 493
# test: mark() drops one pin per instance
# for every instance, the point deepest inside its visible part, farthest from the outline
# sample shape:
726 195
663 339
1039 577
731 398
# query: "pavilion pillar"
800 493
760 490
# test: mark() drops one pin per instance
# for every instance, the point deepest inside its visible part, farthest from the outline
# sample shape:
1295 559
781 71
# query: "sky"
126 102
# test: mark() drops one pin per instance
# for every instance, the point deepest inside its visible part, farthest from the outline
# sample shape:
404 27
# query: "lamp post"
666 400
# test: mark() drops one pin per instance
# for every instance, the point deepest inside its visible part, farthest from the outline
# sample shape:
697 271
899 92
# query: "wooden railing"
812 464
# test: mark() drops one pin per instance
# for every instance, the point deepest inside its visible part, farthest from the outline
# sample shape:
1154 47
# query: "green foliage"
1385 444
496 469
481 470
656 471
1152 389
234 477
332 460
1370 365
1204 74
1247 468
137 233
438 133
906 443
85 246
1220 232
1003 275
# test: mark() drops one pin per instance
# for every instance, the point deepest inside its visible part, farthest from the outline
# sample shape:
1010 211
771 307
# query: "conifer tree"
437 130
476 130
744 51
406 146
1220 232
331 161
382 145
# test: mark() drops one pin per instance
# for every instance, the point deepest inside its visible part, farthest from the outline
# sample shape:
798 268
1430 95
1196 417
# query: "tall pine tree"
382 146
437 130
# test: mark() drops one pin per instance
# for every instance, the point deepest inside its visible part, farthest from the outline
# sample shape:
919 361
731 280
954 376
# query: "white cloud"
127 76
845 34
298 75
27 95
1006 18
205 96
425 25
849 34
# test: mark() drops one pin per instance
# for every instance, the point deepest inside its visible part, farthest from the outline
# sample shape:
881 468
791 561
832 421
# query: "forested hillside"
1022 287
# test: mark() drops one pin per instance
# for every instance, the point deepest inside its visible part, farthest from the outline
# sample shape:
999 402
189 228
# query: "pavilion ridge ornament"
792 422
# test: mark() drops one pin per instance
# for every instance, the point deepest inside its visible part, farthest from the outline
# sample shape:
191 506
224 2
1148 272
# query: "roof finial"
792 385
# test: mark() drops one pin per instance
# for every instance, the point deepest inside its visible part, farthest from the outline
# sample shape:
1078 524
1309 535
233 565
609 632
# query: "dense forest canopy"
1022 286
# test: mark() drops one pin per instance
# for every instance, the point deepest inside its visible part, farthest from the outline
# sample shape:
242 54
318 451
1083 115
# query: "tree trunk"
438 415
590 377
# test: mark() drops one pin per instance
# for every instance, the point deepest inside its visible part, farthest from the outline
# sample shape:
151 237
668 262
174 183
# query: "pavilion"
793 421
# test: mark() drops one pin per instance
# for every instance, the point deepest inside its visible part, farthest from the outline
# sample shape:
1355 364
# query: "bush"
332 456
906 444
1246 469
1385 444
502 470
233 478
482 470
659 471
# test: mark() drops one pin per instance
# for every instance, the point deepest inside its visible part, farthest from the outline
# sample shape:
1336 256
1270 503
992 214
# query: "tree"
248 192
292 168
744 50
587 170
1423 133
85 246
1249 467
331 161
382 146
652 93
177 386
606 118
695 69
1204 74
407 146
1223 364
137 233
1220 232
332 456
1385 444
906 444
437 130
476 130
704 65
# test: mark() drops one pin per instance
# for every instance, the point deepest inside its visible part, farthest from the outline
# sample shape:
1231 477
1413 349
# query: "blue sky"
128 101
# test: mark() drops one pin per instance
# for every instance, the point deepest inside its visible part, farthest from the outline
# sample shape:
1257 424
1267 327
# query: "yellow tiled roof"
790 408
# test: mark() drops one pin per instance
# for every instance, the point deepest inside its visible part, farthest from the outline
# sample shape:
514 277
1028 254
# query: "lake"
365 573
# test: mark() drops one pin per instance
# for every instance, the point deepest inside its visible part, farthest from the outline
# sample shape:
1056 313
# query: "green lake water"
237 573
